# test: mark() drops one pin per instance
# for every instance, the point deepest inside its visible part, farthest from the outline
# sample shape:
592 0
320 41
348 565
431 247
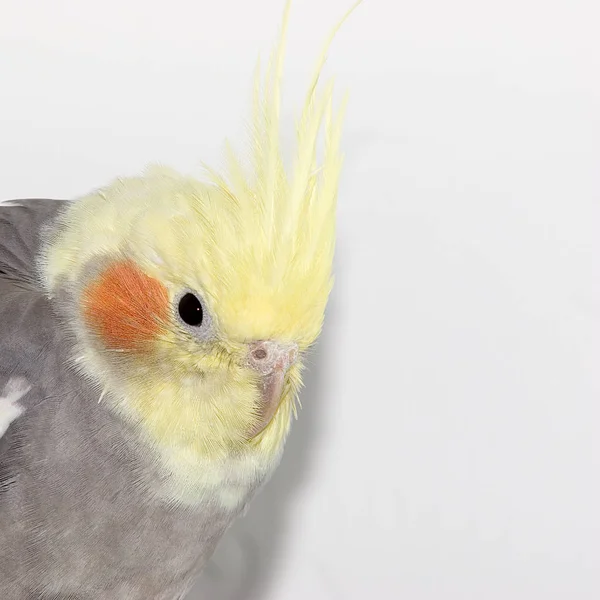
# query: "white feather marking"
10 409
231 496
11 203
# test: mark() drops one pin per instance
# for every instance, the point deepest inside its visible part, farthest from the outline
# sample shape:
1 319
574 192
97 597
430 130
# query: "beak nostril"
268 357
260 354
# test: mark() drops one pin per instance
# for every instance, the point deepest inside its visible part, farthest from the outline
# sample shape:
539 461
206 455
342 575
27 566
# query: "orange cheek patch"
125 307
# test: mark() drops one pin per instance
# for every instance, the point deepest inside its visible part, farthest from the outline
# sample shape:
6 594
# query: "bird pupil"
190 310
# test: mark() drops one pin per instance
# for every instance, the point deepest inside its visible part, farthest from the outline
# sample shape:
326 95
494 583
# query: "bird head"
194 302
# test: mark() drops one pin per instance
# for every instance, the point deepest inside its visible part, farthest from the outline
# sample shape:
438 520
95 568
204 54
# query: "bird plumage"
135 431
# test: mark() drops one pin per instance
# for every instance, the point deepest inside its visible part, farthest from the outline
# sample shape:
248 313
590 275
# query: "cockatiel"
151 343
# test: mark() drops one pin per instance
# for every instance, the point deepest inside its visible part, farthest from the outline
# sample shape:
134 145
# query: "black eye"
190 310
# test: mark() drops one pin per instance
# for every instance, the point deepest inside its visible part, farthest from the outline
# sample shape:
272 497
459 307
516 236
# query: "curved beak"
272 361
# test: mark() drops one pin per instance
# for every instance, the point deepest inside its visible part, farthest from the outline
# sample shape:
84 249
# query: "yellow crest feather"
290 218
259 246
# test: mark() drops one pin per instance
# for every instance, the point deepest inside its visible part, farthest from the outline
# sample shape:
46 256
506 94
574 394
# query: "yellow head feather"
258 247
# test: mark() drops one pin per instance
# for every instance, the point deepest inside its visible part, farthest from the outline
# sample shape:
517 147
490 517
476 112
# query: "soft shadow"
251 552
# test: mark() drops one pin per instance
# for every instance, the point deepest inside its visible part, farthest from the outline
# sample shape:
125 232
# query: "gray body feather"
79 516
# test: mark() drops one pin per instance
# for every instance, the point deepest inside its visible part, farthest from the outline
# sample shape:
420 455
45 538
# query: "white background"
448 447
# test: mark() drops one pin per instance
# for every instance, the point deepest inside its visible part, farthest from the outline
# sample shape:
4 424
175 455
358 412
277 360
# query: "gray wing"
21 225
26 320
